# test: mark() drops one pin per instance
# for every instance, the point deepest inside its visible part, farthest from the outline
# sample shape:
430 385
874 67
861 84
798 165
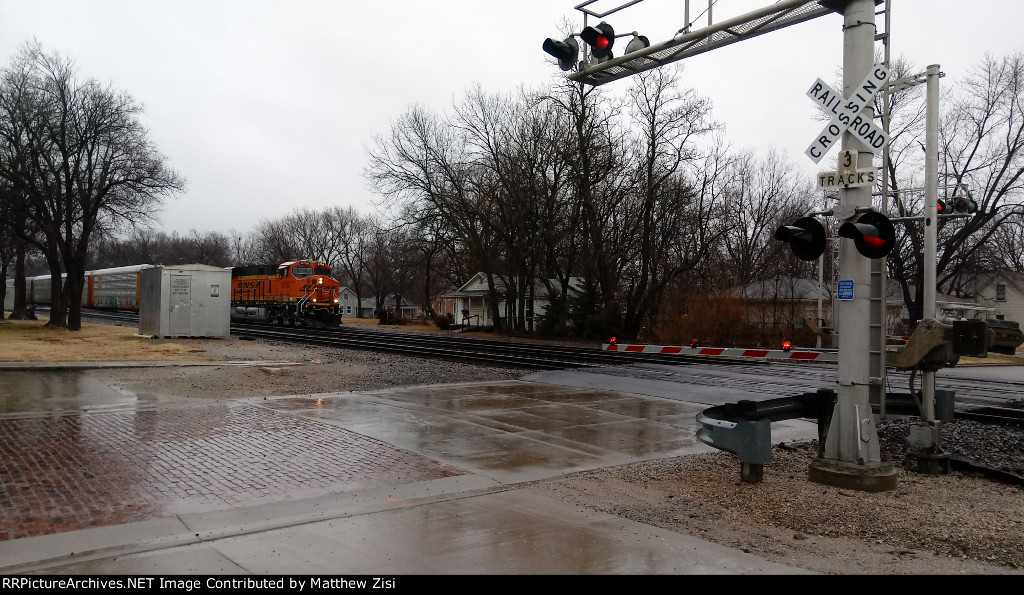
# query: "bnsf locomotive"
301 292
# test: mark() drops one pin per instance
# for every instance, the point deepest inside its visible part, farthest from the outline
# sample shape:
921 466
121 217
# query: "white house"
349 303
1002 291
368 307
470 304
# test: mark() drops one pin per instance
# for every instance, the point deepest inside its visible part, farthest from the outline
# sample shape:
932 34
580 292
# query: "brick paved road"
74 471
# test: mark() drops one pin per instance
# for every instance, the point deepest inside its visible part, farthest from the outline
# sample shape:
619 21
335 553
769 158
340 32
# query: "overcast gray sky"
265 106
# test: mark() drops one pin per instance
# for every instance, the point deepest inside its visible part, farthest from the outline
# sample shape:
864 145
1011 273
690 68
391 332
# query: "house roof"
895 294
784 288
389 301
983 279
477 286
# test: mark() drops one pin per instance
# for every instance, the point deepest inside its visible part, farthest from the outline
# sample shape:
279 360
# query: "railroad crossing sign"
846 114
847 176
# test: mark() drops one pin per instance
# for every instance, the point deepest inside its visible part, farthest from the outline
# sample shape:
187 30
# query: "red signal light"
600 38
693 343
872 234
874 242
611 341
941 207
786 345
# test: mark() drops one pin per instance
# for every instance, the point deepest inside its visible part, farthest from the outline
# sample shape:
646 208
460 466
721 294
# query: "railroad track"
533 356
987 401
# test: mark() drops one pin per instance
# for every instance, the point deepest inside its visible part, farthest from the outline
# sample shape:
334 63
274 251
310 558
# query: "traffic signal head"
567 51
600 38
873 234
964 204
806 236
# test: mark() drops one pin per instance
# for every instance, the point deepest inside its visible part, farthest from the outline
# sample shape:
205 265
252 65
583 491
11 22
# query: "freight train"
301 292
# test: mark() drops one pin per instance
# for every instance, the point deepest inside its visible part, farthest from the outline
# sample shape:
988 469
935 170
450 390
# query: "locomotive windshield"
325 271
302 272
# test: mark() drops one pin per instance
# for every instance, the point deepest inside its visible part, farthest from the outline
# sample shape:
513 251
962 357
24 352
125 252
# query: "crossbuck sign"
846 114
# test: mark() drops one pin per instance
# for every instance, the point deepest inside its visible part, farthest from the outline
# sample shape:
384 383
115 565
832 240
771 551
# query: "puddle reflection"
54 391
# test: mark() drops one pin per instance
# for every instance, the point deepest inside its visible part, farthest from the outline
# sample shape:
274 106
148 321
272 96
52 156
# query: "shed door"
181 305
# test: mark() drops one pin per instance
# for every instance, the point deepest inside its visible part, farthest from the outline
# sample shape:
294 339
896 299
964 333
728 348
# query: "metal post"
821 284
879 267
852 455
931 232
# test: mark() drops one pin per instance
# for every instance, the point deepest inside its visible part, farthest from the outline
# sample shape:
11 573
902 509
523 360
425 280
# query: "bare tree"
423 164
762 194
146 247
595 152
77 150
429 242
354 234
1005 251
661 216
274 242
982 144
243 247
515 142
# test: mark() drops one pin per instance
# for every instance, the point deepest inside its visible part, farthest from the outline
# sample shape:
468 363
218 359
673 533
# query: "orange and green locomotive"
301 292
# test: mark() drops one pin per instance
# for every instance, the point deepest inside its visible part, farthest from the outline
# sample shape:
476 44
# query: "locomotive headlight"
319 280
314 300
336 300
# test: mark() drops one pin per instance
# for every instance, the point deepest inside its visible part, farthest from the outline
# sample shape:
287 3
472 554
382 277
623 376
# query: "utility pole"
851 456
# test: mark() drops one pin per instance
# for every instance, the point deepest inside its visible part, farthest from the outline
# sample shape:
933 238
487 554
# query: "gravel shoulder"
941 525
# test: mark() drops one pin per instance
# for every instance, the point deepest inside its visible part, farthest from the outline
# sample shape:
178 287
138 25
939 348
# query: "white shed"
190 300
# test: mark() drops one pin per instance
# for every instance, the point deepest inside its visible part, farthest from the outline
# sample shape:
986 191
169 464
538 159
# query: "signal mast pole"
851 455
931 224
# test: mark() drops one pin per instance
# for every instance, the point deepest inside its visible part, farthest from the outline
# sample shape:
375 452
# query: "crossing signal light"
964 204
638 42
942 208
806 236
567 51
786 346
872 234
600 38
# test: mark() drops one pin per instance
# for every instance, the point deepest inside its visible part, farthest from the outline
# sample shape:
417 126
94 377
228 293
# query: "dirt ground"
931 525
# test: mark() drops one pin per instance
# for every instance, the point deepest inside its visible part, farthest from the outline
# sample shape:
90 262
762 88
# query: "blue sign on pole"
845 289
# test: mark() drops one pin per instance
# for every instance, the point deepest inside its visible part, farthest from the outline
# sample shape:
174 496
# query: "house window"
348 309
1001 292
